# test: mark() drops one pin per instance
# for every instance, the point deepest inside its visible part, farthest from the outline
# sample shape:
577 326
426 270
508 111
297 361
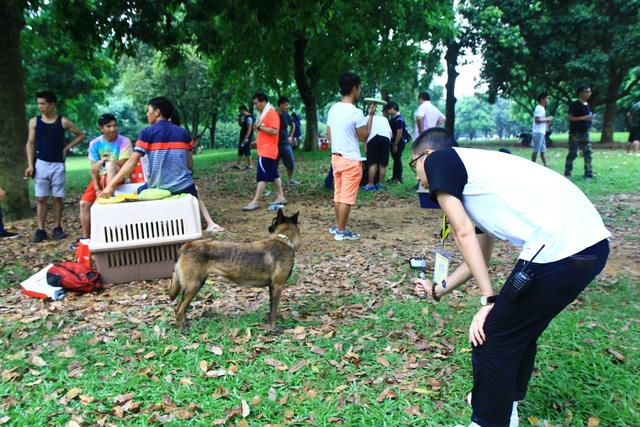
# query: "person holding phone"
488 195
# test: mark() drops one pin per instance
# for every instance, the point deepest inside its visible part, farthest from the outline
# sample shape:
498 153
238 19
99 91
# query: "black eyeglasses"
412 163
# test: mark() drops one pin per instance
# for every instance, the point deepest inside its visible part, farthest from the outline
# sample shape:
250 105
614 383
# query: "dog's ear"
294 218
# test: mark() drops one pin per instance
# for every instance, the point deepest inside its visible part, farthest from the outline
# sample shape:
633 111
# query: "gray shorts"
49 179
538 143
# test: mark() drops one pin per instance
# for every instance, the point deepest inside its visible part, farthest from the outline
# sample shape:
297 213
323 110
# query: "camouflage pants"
581 141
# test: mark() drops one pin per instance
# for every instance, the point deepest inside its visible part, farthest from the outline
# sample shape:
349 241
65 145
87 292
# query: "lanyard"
446 229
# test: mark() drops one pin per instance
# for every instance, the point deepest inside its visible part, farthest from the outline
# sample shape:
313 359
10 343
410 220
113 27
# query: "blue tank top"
50 140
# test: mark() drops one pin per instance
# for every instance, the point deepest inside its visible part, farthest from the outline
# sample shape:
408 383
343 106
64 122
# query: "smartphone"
418 263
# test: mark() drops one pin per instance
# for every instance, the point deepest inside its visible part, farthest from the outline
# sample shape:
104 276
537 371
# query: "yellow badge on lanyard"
442 258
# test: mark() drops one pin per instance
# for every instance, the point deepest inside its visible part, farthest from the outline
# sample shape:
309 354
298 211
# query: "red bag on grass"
74 277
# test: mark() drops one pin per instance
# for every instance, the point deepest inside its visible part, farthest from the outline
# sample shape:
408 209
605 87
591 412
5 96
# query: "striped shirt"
167 149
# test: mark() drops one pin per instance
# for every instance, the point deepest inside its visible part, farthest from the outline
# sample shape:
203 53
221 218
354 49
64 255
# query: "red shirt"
268 144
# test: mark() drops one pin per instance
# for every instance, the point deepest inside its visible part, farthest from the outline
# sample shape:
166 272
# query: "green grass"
417 350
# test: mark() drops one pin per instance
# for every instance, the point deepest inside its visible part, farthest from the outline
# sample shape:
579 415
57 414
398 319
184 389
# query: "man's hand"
476 330
107 191
372 109
550 119
3 193
28 172
394 148
424 288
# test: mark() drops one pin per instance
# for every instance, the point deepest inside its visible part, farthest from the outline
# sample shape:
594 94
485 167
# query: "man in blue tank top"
46 151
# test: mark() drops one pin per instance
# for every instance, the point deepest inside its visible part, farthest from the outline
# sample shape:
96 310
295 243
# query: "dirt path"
392 231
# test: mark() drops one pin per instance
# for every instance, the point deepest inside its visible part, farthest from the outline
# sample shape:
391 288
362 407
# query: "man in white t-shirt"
564 245
378 147
427 116
539 129
346 126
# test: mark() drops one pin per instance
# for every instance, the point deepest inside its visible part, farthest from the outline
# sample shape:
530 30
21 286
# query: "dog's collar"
286 241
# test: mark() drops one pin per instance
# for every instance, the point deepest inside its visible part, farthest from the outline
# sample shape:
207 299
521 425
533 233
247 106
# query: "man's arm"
465 236
441 120
419 124
125 170
71 127
266 129
329 136
460 275
31 148
364 131
248 133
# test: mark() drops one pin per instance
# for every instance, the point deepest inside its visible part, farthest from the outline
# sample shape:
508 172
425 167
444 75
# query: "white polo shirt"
430 116
514 199
343 120
539 127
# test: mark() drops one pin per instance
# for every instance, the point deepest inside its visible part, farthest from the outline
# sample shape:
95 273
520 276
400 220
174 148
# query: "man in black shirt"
287 129
398 140
580 118
245 121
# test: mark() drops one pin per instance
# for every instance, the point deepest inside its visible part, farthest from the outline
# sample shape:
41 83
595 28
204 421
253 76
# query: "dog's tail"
176 287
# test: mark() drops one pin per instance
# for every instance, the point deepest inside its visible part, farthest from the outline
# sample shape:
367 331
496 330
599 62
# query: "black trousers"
502 366
397 161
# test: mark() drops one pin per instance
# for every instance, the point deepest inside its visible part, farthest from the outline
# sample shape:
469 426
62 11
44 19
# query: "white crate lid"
149 223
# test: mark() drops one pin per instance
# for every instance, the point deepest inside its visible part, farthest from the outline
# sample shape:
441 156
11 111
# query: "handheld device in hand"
418 263
519 283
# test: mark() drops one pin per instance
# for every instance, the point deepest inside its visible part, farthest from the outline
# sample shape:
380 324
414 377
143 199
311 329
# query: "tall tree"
553 45
12 114
91 25
311 43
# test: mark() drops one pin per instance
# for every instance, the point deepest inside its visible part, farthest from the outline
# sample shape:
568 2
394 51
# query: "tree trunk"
453 50
212 130
306 93
12 114
610 105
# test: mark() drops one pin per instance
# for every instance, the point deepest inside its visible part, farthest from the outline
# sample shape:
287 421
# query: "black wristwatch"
485 300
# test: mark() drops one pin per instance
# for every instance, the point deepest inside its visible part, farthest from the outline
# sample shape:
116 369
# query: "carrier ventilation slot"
144 230
148 255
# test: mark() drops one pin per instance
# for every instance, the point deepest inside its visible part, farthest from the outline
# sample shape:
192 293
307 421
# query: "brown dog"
263 263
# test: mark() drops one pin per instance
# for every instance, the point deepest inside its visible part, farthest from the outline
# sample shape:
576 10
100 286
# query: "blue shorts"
267 170
538 143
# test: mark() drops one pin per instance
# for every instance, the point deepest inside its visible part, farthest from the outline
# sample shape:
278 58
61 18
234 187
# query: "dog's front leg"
275 292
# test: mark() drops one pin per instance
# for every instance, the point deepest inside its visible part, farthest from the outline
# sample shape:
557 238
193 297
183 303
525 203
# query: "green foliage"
555 46
474 117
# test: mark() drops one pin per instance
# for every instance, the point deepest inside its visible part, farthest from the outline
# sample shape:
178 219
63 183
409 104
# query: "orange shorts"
89 194
347 175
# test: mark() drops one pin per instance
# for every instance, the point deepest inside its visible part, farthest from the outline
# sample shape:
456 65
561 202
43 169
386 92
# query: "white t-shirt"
539 127
380 126
343 120
514 199
430 116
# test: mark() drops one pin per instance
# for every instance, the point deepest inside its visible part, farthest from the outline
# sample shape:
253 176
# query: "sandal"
215 228
279 202
251 207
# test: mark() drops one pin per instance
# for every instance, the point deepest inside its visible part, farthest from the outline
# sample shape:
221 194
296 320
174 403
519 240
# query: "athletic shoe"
4 234
588 176
251 207
379 186
369 188
39 236
567 174
59 234
294 182
333 229
346 235
235 167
